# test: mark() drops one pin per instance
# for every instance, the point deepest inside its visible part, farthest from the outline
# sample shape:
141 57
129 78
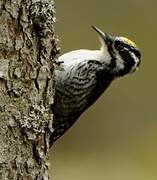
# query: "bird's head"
120 54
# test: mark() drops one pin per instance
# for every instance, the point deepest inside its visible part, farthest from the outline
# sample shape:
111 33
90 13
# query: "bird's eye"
119 47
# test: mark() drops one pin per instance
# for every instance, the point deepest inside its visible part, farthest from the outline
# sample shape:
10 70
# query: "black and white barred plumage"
86 75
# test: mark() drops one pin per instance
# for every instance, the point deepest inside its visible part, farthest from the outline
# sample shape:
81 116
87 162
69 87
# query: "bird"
86 74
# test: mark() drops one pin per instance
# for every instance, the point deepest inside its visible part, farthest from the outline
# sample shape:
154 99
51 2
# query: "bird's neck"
105 56
114 63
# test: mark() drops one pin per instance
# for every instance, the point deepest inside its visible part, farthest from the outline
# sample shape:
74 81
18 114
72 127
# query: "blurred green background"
116 139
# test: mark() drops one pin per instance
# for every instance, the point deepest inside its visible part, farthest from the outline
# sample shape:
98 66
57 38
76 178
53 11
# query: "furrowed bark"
28 50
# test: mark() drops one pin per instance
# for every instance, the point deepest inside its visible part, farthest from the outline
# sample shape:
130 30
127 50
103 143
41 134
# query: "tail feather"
60 126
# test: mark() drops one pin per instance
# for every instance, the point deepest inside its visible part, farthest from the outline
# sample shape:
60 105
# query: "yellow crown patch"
128 41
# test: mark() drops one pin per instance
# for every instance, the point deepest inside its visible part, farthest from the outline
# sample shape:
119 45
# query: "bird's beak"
104 37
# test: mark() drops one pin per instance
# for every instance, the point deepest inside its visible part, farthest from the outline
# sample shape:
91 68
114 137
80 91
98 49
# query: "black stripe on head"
136 52
125 50
129 62
120 45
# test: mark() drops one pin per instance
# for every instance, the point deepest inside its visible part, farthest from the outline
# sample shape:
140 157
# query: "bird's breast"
79 86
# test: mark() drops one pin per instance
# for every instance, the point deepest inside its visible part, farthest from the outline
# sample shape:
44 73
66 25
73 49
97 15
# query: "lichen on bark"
28 51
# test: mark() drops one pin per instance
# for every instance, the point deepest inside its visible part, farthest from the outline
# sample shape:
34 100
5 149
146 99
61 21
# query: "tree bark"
28 50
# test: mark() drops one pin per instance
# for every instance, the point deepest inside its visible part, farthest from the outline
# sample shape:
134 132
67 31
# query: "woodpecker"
87 74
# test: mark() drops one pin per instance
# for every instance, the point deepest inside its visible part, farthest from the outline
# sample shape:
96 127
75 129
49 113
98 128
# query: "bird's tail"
60 126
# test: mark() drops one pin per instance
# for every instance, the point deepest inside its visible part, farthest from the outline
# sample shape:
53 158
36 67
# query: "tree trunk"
27 58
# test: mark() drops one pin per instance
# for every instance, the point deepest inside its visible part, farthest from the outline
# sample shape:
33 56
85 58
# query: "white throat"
105 55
